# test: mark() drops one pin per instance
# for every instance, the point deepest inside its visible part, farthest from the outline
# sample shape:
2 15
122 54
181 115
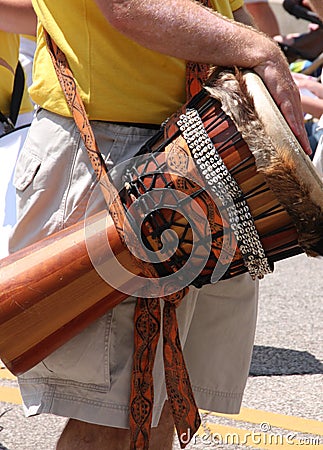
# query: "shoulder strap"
17 93
16 98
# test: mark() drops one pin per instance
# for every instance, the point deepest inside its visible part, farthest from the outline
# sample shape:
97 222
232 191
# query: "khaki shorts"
89 377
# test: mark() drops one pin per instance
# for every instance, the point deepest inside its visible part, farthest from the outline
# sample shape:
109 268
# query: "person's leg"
79 435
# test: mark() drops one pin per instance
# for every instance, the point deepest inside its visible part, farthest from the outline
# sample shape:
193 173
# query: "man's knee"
78 435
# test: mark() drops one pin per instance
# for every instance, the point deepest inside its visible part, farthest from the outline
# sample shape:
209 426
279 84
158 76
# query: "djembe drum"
230 150
246 196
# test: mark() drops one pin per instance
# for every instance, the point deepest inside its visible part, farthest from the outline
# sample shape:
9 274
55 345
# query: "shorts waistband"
150 126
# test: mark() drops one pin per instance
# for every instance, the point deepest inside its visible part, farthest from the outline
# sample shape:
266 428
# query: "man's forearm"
194 33
17 16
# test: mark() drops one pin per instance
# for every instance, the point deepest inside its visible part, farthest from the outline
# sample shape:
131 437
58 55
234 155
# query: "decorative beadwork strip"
221 182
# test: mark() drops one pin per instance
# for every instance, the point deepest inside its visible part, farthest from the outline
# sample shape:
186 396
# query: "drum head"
282 137
10 146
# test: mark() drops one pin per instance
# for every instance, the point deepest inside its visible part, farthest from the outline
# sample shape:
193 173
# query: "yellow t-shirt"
118 79
9 53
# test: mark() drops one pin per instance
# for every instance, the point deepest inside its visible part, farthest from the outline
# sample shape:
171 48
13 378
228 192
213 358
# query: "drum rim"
295 151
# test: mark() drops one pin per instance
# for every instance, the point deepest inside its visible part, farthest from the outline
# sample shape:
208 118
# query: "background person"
26 55
317 7
263 16
9 54
311 90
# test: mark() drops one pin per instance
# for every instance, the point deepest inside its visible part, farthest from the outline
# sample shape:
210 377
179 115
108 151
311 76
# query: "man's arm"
17 16
187 30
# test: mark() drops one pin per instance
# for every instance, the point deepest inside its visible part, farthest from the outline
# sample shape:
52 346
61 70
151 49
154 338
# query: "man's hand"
278 79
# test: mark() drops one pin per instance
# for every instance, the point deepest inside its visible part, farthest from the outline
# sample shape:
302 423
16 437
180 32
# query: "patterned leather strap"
76 106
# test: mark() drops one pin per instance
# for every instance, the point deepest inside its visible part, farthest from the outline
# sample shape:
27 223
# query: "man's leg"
79 435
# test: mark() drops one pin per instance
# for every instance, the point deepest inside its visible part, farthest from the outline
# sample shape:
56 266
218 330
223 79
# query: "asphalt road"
285 383
283 404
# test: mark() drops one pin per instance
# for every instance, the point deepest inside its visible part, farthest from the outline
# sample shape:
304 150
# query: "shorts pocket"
26 170
83 359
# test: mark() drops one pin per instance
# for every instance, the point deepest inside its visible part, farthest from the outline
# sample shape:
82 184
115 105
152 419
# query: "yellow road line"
275 420
10 395
262 418
211 433
6 374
